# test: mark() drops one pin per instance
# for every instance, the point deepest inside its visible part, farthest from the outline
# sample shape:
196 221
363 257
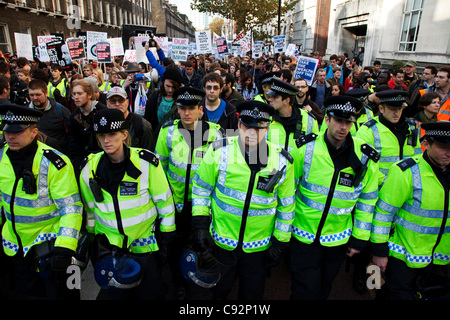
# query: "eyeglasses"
212 87
115 100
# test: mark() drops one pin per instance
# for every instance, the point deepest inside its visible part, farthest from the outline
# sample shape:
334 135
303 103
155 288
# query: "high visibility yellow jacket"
305 124
135 207
61 86
415 205
387 145
242 212
366 115
54 211
179 159
326 196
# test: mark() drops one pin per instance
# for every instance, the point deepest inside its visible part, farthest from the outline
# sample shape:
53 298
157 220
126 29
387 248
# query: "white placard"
92 37
203 40
24 45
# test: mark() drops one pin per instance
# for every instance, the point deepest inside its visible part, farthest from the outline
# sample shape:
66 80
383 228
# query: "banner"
247 42
279 44
180 48
92 38
24 45
116 47
306 69
203 40
104 52
76 48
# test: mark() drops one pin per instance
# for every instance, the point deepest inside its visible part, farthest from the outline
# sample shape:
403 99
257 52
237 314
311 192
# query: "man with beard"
215 109
55 119
302 101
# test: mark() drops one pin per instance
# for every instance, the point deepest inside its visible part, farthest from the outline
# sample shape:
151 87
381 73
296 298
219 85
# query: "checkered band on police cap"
10 117
187 96
255 114
346 107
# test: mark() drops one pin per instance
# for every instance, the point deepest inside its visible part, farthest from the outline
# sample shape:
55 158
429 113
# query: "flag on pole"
239 37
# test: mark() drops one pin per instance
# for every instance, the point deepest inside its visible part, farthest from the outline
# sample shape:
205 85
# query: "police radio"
29 183
273 180
96 190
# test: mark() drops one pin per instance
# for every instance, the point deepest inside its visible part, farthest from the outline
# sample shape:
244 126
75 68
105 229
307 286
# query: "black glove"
275 252
202 241
165 245
61 260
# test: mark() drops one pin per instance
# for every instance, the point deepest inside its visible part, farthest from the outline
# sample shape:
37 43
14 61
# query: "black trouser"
29 281
151 287
313 268
248 267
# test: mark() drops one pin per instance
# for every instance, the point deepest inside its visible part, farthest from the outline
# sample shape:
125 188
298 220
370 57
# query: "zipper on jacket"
327 206
246 207
444 222
119 222
11 209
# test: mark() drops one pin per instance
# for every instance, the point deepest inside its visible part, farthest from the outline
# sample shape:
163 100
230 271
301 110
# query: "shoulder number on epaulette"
370 152
370 123
305 139
219 143
55 158
407 163
149 157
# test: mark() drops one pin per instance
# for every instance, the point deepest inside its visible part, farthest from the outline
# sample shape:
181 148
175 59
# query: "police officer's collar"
130 168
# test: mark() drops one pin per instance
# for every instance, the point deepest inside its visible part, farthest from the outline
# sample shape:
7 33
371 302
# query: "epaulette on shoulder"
55 158
83 162
149 157
370 152
305 139
311 114
219 143
407 163
287 155
370 123
167 124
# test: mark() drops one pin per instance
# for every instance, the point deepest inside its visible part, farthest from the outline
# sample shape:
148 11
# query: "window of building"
410 26
5 43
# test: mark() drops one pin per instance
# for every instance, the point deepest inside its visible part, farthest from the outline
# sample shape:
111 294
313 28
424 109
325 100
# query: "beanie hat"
172 73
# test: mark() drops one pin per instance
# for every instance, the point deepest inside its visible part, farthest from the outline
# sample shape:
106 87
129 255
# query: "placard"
306 69
203 40
24 45
180 49
92 38
257 51
42 49
116 47
279 44
104 52
76 48
222 46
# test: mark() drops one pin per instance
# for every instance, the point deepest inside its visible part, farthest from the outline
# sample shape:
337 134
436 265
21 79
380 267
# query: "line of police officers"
280 187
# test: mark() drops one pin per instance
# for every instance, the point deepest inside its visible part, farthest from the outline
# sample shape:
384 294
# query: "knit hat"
172 73
397 64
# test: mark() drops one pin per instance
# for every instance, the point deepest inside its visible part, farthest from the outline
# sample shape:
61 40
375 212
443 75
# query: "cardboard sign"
279 44
222 46
116 47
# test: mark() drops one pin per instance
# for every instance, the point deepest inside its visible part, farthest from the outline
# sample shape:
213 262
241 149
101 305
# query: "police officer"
414 202
363 114
247 184
125 191
288 123
42 207
336 174
394 136
265 81
181 146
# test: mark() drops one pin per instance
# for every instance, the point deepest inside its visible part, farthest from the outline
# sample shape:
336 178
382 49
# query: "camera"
151 41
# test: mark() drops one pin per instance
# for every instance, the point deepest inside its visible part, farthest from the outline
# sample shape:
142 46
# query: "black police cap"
267 78
17 118
109 120
438 132
255 113
280 87
392 98
188 96
342 107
